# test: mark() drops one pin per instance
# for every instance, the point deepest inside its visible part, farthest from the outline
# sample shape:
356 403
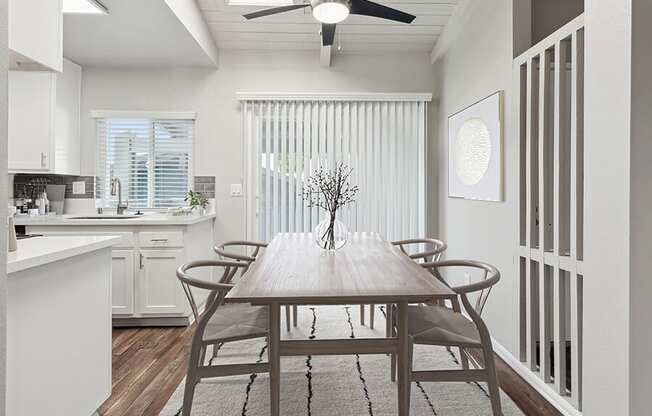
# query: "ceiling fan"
331 12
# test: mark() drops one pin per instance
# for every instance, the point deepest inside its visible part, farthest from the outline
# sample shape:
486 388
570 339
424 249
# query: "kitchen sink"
104 217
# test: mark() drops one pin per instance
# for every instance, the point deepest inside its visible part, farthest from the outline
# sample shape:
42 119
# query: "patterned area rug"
334 385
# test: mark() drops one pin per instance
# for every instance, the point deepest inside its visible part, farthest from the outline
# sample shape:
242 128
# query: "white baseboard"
532 379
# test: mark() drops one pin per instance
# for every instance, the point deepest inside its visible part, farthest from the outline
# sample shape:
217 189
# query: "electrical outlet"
79 188
236 189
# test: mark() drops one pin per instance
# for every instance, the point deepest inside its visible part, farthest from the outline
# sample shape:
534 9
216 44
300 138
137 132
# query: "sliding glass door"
381 138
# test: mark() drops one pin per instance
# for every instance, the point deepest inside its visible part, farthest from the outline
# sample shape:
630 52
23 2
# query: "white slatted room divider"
381 136
549 82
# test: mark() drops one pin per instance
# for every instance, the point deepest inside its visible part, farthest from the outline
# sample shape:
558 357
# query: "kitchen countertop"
39 251
147 219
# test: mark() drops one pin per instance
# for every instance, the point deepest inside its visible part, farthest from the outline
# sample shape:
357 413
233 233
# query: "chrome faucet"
116 189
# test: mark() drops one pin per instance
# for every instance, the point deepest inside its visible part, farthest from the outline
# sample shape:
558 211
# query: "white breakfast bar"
59 325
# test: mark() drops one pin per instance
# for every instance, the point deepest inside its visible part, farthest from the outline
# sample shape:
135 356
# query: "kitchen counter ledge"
39 251
147 219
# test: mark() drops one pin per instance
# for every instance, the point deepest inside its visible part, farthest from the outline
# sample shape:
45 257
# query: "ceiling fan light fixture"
330 11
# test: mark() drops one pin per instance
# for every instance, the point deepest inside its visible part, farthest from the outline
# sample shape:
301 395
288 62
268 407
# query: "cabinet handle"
141 261
158 240
43 156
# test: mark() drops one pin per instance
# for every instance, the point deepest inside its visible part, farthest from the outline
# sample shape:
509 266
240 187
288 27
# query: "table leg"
273 342
402 370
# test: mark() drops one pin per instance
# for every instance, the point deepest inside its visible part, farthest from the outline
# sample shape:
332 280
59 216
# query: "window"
381 136
151 155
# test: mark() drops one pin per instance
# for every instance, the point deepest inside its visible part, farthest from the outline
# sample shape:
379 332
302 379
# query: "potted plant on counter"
197 201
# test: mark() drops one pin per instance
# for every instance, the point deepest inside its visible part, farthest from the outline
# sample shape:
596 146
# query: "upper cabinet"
36 33
44 120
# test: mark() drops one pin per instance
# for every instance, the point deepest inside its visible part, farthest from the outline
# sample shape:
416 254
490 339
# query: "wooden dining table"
293 270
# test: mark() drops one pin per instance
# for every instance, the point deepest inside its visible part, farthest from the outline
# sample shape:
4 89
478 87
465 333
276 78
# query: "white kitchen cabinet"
44 121
122 278
159 290
67 121
36 33
145 289
31 113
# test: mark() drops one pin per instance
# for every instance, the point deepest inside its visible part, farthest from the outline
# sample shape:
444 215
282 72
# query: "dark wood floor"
149 363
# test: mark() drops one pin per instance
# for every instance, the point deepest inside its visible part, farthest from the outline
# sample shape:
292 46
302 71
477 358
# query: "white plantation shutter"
382 137
152 157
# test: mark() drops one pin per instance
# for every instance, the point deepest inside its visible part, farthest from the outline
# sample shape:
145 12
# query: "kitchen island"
59 325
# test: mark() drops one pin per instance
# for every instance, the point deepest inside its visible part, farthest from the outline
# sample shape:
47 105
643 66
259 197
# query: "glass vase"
331 234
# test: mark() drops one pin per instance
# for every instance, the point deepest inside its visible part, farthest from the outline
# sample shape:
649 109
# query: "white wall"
4 66
211 94
640 377
606 219
474 60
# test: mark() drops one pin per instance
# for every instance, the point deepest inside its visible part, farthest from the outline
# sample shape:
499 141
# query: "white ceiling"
134 33
298 30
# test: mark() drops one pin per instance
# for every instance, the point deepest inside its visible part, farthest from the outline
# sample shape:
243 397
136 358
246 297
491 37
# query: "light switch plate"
79 188
236 189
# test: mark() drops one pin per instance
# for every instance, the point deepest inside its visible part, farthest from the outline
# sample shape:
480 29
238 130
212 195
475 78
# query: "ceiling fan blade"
369 8
274 10
327 34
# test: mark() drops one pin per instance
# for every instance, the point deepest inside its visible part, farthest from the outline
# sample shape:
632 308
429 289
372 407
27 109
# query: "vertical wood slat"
529 221
576 218
576 305
559 296
391 165
558 291
532 290
577 130
523 217
559 320
544 292
533 158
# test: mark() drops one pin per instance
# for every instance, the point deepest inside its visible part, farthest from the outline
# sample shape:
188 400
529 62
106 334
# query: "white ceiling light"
84 7
330 11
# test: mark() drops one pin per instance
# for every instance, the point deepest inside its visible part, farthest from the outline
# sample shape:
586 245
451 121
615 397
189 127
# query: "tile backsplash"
24 183
205 185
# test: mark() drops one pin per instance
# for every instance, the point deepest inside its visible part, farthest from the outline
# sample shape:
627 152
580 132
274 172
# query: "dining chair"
426 250
247 259
218 324
438 325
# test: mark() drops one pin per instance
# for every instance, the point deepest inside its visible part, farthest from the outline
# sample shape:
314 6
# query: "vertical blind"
152 158
382 140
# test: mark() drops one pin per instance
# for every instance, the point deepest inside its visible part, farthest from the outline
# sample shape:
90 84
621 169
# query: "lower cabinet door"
159 289
122 277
